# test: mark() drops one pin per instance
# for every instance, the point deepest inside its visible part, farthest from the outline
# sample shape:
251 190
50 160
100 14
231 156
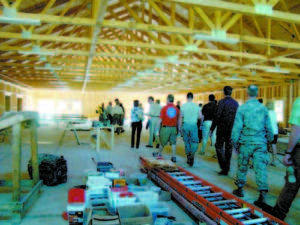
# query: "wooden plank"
34 152
28 200
16 162
11 206
24 183
15 118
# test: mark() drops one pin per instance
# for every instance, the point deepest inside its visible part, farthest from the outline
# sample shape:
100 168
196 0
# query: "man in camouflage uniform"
252 130
292 158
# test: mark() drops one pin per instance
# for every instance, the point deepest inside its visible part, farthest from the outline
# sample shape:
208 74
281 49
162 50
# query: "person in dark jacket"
224 120
208 112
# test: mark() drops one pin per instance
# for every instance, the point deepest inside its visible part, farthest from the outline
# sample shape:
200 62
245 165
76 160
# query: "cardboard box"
101 216
135 215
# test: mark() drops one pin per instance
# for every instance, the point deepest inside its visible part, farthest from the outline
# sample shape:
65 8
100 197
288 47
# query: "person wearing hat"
251 132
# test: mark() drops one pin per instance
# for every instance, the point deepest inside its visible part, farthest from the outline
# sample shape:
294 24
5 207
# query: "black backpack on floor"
53 169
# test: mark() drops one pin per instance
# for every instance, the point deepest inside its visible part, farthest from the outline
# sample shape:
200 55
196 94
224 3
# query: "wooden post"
34 152
112 136
265 97
16 162
98 139
284 98
291 88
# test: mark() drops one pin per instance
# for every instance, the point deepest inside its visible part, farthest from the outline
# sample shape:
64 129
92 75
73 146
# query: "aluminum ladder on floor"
220 206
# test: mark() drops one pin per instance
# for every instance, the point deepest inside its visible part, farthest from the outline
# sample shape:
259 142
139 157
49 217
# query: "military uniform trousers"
190 138
290 190
260 161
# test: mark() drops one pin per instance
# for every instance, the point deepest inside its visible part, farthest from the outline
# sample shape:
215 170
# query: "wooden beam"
224 17
261 58
4 2
153 58
166 20
151 27
269 36
34 152
173 20
273 2
205 18
232 21
139 20
16 162
17 4
48 6
258 27
285 54
240 8
218 23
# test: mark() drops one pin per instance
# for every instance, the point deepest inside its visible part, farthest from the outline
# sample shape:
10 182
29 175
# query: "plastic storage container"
158 209
155 189
123 198
104 166
147 196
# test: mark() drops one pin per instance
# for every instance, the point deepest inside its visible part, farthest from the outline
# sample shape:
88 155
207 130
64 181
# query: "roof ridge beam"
99 16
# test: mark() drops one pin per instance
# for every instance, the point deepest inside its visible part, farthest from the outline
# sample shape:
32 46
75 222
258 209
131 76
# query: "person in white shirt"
154 113
189 115
117 113
273 119
109 112
137 117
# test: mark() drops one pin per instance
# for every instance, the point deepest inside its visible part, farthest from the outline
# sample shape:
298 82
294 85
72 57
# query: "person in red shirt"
169 117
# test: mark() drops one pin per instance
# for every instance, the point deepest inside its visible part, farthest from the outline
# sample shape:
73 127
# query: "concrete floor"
53 200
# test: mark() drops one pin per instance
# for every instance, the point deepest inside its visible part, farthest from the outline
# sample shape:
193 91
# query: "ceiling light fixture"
36 50
10 16
277 69
191 48
217 35
235 78
263 8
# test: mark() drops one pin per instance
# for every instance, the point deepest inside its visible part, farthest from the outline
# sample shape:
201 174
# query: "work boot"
188 158
192 160
261 201
239 192
223 173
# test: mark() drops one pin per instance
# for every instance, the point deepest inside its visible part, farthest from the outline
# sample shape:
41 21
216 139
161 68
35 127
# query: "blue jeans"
190 138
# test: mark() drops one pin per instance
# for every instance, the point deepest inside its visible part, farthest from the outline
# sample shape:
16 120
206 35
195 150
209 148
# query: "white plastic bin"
158 209
147 196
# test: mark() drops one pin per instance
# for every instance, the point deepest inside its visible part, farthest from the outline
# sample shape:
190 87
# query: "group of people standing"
114 114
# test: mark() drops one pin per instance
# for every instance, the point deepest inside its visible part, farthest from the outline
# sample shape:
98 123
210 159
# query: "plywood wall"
15 92
90 100
287 92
